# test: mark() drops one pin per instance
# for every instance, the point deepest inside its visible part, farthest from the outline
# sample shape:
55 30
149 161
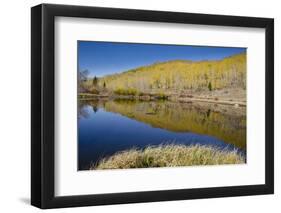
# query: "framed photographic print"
139 106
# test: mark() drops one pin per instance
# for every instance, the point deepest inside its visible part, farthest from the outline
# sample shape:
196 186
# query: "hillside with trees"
173 76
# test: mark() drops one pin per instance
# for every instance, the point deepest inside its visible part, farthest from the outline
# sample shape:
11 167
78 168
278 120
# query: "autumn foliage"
178 75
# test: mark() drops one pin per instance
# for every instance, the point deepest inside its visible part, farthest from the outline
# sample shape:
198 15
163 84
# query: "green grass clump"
85 95
169 156
129 91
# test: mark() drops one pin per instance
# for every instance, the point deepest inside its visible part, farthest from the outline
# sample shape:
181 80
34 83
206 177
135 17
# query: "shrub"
141 94
130 91
94 91
210 86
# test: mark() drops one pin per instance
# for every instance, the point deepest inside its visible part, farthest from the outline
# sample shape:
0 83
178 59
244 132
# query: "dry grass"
169 156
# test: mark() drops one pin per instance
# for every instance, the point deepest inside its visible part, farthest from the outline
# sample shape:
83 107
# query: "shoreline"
152 97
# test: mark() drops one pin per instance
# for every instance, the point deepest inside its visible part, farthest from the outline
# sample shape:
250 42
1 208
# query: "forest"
175 76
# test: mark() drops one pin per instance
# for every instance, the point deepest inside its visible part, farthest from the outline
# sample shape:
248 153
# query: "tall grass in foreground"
169 156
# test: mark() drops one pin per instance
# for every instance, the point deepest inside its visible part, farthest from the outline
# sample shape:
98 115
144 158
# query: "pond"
108 126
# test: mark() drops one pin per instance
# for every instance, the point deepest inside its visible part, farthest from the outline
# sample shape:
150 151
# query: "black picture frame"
43 110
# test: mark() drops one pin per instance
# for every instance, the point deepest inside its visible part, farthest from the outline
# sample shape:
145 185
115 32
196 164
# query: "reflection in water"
184 117
109 126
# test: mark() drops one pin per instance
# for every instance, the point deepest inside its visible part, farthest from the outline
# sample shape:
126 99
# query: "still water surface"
106 127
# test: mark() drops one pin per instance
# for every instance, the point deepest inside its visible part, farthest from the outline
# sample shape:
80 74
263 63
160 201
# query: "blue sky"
104 58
